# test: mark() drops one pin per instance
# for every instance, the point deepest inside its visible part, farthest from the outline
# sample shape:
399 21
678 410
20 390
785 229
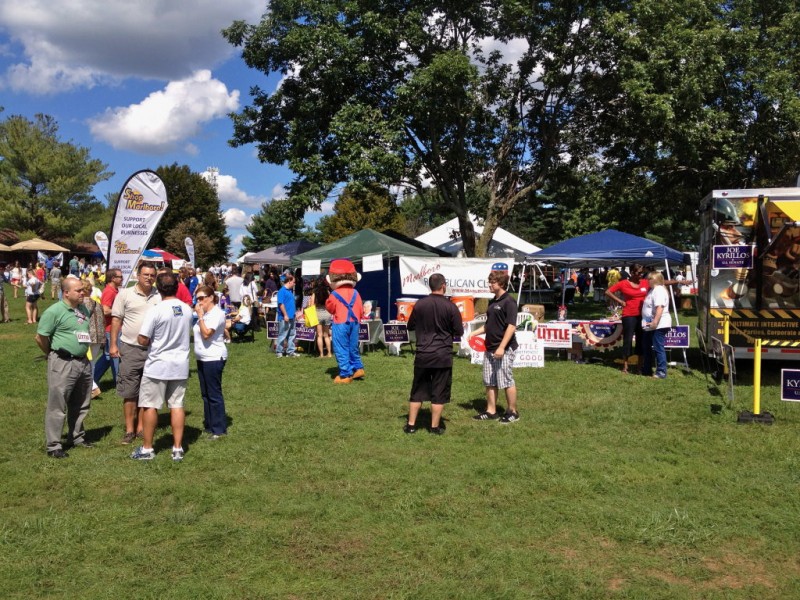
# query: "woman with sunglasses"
211 354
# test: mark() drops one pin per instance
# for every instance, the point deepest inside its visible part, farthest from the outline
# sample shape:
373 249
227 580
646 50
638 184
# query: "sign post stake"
756 416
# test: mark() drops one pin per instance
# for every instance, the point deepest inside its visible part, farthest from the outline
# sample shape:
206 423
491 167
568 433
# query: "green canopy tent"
369 242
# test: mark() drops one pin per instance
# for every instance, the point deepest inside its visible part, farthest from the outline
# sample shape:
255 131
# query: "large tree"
279 221
396 92
703 94
361 207
46 184
192 199
616 113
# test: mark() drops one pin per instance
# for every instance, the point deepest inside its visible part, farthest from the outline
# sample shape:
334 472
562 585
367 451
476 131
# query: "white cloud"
510 51
326 208
236 218
278 192
85 42
165 119
229 192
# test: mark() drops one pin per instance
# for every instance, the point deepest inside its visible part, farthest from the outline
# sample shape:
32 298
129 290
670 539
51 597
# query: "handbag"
310 314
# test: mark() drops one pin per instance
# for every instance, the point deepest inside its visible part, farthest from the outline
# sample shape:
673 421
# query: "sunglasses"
201 297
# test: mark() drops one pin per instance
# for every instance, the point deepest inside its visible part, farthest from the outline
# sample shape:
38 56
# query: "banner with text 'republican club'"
142 202
464 276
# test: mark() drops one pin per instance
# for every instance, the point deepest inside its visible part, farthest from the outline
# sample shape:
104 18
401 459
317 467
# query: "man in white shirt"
127 315
165 331
234 283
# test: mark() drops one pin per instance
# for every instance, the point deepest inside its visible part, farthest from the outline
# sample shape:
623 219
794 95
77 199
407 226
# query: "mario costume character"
345 306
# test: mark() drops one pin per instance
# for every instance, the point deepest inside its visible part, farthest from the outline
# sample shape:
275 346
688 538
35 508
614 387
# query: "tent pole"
389 287
675 312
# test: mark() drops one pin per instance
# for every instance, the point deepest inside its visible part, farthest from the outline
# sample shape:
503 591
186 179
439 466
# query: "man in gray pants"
63 335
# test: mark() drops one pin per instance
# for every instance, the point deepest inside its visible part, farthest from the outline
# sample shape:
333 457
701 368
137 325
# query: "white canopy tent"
447 237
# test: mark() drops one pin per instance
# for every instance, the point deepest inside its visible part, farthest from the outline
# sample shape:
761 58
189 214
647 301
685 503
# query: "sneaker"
177 454
292 355
81 444
279 356
57 453
509 417
128 438
486 416
660 376
437 430
140 435
141 454
410 428
216 436
96 392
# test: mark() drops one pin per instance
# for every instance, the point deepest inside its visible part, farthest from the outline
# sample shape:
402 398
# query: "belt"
64 355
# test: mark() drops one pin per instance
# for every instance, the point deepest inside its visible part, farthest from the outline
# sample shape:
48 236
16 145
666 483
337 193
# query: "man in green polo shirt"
63 335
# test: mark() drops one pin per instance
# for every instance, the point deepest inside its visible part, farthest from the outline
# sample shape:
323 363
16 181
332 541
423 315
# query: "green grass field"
610 486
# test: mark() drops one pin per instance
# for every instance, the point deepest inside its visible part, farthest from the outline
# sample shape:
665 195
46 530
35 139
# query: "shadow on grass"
423 419
95 435
163 439
477 405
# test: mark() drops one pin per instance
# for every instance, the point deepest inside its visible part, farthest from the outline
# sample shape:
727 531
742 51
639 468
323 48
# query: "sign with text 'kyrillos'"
141 204
738 256
790 385
677 337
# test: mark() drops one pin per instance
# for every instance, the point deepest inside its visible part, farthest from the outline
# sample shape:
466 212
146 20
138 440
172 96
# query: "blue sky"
142 84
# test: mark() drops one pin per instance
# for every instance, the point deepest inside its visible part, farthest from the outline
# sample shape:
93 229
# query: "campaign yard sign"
790 385
732 257
305 334
395 333
530 351
677 337
555 335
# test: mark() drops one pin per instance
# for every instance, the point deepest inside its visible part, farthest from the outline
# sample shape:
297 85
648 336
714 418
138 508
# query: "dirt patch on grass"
733 571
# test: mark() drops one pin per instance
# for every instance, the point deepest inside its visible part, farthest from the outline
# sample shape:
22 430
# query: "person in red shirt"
630 294
113 281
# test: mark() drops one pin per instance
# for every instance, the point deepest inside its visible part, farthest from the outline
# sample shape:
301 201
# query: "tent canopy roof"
366 242
608 248
39 244
281 254
504 243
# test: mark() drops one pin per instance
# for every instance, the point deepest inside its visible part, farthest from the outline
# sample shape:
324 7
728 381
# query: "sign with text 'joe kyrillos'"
142 202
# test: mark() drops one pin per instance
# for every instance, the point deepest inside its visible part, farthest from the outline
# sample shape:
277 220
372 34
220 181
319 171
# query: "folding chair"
250 330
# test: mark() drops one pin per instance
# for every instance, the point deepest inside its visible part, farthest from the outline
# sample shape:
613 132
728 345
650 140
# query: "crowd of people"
142 334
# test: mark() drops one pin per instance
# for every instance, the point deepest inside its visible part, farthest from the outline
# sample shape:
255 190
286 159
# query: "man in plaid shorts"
501 346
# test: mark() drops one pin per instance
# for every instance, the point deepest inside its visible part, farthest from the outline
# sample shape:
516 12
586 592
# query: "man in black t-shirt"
501 346
436 320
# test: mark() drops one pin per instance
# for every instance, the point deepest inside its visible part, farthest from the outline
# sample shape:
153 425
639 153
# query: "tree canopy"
361 207
280 221
617 113
194 210
46 184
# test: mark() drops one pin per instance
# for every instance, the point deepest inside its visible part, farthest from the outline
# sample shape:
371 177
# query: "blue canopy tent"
609 248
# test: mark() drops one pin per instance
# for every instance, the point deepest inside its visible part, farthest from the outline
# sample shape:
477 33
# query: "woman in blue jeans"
211 354
656 322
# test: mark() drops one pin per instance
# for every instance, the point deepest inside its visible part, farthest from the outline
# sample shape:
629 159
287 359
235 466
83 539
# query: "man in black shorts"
436 320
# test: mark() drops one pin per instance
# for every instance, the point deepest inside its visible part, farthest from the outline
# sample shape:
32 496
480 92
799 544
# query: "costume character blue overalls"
345 306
